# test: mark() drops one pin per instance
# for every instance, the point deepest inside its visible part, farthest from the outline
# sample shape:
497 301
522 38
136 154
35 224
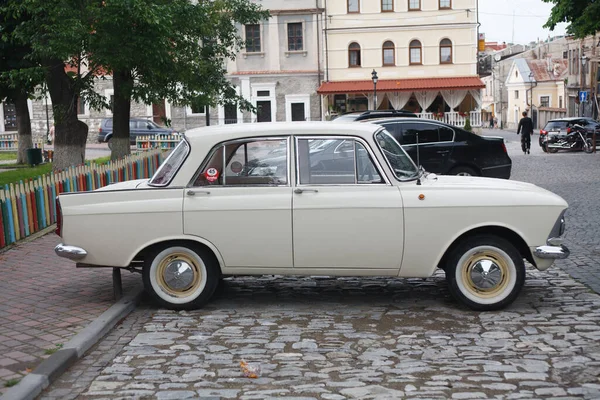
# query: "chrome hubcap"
486 275
178 275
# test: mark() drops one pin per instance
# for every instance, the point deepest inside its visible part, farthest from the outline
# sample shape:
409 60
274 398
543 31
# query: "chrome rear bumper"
552 252
70 252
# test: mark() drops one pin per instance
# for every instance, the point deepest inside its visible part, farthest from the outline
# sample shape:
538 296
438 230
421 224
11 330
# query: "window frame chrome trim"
366 145
216 148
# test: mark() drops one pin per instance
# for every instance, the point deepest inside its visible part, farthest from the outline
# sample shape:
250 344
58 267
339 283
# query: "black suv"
364 115
448 150
137 127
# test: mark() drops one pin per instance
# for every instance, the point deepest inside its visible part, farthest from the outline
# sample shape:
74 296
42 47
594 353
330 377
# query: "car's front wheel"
180 276
485 272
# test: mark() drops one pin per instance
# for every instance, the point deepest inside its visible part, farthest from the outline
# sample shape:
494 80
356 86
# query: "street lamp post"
374 78
583 63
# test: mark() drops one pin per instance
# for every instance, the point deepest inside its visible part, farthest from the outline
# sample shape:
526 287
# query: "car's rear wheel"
485 273
463 171
180 276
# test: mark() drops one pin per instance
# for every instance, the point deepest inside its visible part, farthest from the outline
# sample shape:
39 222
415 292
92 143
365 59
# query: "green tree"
583 16
58 33
17 87
168 49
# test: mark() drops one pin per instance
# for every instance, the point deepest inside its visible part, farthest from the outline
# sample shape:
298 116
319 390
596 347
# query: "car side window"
427 133
446 134
335 162
247 163
131 125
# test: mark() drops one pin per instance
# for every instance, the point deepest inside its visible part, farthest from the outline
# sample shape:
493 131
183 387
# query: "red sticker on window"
212 174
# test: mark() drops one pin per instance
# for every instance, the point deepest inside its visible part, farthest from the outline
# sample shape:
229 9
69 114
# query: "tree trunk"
23 127
123 86
70 134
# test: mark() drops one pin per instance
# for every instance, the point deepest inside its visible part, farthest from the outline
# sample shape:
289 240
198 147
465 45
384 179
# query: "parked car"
371 114
137 127
561 127
217 207
448 150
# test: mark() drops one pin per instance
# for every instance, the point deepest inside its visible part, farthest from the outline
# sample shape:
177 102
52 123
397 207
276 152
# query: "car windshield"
171 165
401 164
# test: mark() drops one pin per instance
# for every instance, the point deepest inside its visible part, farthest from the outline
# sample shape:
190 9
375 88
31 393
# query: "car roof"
214 134
569 119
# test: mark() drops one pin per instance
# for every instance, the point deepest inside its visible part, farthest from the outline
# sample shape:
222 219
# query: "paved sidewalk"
44 302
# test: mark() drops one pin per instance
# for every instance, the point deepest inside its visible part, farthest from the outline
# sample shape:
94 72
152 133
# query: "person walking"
491 121
526 130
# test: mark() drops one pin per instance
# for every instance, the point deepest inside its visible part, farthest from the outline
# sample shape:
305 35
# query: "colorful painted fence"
28 207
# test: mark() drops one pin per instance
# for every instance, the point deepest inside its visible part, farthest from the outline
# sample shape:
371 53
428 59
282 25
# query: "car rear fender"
141 250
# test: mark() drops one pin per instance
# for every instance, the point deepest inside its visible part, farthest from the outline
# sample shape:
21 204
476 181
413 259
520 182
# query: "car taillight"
504 147
58 218
568 130
99 130
543 132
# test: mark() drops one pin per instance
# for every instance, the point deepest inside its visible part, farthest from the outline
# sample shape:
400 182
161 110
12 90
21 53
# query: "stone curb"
51 368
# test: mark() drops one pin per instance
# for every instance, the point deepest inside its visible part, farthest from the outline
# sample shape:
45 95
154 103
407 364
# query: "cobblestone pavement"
352 338
44 302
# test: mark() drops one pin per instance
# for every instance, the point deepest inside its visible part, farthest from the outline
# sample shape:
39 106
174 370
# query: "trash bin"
34 156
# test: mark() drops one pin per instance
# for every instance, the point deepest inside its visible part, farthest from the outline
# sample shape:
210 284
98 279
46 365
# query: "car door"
241 201
346 216
421 141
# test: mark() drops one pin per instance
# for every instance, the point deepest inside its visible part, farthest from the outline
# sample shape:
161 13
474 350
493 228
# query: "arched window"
415 53
389 53
354 55
446 51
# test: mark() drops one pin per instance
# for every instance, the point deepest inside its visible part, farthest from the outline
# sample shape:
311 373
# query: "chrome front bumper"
70 252
552 252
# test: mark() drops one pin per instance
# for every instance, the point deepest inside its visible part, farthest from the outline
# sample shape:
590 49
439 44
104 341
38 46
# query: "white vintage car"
311 198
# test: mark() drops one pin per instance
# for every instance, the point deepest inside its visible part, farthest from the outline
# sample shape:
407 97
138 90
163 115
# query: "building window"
354 55
445 4
446 51
295 40
560 102
253 38
389 53
415 53
353 6
516 94
387 5
545 101
414 5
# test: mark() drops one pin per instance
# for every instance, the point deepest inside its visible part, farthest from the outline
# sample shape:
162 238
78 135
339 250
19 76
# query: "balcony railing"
454 118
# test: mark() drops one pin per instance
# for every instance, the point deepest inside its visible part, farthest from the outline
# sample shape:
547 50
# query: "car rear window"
555 125
109 123
171 165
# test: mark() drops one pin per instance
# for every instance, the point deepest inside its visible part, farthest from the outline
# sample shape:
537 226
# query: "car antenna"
418 161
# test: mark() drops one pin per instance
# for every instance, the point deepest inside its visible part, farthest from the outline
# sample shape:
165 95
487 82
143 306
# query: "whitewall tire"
180 276
485 273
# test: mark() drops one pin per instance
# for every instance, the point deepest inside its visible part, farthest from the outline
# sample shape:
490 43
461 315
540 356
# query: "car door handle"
443 151
300 191
195 192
